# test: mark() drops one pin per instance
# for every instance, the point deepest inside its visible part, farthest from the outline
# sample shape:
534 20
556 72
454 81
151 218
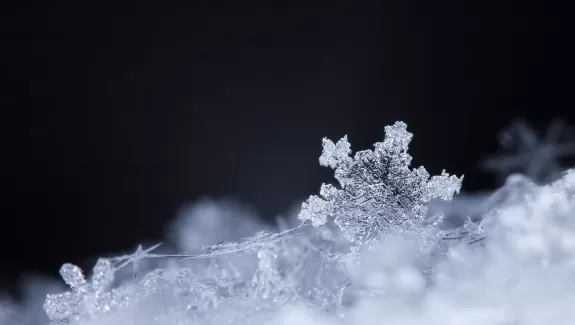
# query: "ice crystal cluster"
371 250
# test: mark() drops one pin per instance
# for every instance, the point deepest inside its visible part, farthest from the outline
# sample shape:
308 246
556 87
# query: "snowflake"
377 190
527 153
90 299
87 299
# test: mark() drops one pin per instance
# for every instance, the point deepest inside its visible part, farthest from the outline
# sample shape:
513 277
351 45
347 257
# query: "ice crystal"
470 233
526 152
189 293
267 279
137 257
94 298
87 298
377 190
250 244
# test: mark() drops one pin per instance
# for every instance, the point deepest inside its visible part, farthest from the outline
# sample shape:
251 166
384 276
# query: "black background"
114 114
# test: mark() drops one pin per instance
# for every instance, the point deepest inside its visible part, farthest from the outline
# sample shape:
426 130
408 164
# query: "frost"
377 190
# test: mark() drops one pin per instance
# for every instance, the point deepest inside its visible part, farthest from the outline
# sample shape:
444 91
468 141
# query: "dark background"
114 114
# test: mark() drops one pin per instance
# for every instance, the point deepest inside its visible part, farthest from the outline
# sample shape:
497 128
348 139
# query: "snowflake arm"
443 187
314 210
335 154
86 298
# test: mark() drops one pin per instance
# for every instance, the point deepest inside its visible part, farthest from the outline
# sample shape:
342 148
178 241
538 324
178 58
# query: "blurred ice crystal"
471 232
478 213
537 157
378 189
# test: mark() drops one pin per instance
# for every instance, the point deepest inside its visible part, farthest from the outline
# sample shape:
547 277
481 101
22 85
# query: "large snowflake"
377 189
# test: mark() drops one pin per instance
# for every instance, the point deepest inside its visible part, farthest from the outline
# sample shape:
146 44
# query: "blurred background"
116 114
